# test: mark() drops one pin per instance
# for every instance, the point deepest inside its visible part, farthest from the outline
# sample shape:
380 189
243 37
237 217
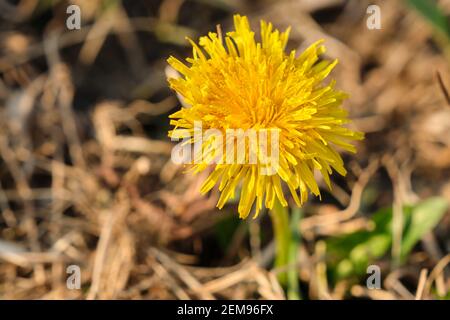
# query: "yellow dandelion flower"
236 82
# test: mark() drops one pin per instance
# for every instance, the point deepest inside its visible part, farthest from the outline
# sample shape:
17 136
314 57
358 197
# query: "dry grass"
85 171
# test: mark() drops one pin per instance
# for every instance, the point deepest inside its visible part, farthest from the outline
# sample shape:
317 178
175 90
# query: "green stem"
280 223
293 292
286 241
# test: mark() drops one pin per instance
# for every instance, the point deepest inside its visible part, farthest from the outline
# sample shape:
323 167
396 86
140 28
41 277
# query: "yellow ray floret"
236 82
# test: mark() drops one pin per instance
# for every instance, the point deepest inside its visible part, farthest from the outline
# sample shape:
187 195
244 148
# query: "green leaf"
351 254
422 219
430 11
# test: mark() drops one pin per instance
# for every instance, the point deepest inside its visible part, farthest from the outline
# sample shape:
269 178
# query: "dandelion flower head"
239 82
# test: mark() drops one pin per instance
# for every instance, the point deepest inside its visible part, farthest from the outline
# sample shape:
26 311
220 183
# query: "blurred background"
86 178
